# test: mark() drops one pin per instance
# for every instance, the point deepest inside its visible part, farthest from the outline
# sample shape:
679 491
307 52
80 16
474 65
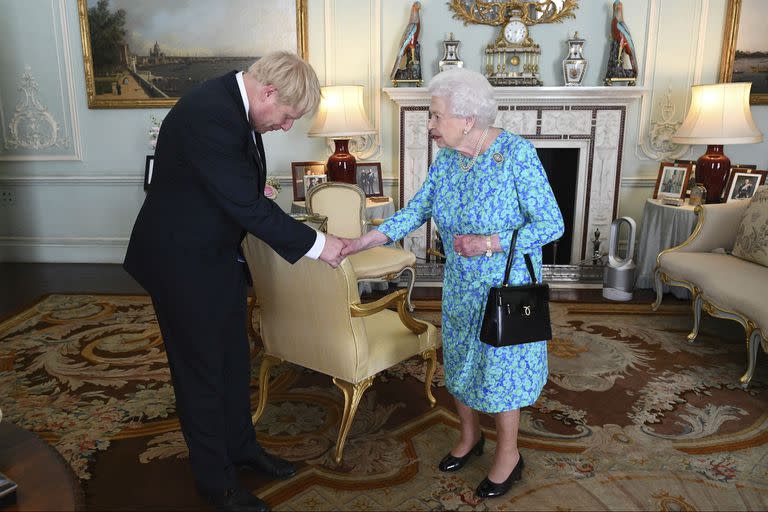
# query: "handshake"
337 248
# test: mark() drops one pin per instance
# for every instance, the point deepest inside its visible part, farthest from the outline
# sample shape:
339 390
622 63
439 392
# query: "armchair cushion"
752 235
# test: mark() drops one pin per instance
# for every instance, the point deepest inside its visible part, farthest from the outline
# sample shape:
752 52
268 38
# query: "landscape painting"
745 47
148 53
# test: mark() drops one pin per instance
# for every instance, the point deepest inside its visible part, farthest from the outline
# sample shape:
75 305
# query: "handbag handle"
511 256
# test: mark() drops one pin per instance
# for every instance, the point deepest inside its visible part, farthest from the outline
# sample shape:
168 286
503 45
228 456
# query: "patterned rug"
633 417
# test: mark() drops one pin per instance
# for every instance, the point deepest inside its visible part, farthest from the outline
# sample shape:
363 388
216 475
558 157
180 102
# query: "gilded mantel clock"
513 58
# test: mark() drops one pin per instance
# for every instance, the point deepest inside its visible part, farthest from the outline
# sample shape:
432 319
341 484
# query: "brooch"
498 158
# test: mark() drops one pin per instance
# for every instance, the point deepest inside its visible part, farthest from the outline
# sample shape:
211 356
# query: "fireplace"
578 133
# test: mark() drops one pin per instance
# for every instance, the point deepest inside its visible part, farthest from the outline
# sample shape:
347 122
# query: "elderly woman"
483 185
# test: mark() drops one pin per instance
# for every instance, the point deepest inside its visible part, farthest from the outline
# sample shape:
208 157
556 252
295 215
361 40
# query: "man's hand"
332 250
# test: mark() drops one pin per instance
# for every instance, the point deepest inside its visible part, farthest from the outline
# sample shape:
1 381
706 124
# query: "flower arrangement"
154 131
271 188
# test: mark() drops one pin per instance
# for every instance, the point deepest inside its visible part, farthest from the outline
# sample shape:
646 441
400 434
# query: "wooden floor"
21 284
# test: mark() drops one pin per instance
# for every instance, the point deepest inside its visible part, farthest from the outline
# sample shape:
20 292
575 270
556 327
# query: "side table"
663 226
45 480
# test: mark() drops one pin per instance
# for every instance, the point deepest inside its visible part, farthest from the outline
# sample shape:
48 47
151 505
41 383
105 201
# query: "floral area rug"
633 417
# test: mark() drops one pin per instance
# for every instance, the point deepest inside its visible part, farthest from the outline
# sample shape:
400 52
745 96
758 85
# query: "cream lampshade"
719 114
341 116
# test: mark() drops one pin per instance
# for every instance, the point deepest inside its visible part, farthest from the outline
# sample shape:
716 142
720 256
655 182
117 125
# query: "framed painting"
368 178
298 171
745 48
148 53
691 178
672 180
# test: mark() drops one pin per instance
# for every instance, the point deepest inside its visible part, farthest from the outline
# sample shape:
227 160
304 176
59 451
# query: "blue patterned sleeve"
543 221
418 210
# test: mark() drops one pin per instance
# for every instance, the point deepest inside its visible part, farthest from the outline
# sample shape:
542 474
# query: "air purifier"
619 274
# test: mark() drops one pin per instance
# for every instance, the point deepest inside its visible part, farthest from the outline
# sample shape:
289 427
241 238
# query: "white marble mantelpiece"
591 119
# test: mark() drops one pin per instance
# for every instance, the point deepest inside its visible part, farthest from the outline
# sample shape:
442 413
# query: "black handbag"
516 314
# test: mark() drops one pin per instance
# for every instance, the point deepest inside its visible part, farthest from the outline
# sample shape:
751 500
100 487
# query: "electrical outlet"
7 197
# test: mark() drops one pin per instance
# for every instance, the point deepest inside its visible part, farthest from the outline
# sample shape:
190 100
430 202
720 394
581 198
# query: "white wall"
77 201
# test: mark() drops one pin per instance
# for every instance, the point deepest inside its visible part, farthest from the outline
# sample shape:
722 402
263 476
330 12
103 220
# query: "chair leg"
659 285
266 364
697 300
411 283
431 357
753 343
352 395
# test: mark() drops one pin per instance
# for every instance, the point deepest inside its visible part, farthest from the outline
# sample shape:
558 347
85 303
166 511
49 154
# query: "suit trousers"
206 343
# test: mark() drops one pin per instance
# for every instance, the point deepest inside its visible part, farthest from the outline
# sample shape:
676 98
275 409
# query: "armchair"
344 205
340 337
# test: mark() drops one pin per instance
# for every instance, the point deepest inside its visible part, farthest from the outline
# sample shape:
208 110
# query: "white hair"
467 93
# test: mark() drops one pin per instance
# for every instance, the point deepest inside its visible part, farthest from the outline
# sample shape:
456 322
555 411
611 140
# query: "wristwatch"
488 247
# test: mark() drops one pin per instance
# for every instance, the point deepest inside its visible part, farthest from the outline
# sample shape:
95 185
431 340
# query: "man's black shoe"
237 500
268 464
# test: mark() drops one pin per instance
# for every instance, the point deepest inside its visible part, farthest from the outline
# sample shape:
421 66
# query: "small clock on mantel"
513 59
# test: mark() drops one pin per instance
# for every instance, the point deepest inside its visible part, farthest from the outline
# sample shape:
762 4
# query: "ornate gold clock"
513 58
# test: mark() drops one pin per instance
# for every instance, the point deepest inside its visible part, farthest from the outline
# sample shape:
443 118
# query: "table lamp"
341 116
719 114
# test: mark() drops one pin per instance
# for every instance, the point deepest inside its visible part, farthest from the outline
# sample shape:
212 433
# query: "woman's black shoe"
488 489
453 463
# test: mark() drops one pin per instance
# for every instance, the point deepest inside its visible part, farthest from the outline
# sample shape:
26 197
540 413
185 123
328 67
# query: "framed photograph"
368 178
298 170
143 53
745 48
742 185
672 180
742 169
312 180
691 178
148 168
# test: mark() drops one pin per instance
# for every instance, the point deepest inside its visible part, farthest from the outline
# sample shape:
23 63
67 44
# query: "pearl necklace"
478 145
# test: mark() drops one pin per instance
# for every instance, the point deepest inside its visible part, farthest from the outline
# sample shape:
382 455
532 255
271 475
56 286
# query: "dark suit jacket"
206 192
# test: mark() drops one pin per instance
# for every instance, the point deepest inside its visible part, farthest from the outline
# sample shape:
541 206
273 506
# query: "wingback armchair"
338 336
344 205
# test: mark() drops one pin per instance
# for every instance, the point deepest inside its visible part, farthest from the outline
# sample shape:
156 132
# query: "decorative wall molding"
74 180
32 126
663 110
63 249
591 119
33 130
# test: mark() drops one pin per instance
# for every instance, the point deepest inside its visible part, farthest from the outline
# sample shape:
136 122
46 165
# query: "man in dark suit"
206 193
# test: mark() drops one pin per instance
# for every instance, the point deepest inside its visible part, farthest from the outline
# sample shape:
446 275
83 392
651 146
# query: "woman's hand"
475 245
368 240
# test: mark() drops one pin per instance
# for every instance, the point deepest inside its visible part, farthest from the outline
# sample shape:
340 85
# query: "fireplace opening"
562 167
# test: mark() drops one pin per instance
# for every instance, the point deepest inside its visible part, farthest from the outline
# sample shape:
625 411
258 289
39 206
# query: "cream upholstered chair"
338 335
344 205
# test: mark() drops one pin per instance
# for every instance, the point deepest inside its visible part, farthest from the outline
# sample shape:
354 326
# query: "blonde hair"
468 94
294 79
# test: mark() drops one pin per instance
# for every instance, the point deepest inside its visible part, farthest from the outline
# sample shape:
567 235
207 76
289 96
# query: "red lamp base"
342 164
712 170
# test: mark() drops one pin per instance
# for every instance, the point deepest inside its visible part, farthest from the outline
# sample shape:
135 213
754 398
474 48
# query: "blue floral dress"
507 188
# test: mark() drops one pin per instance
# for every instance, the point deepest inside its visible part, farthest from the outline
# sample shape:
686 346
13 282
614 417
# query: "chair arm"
397 298
716 227
376 222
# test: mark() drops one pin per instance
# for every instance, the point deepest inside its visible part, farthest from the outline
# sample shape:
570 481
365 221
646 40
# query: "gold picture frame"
127 87
731 65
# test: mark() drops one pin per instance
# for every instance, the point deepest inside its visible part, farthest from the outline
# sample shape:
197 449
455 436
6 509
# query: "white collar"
243 94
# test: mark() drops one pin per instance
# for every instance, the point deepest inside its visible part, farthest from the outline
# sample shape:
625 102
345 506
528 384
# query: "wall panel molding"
33 130
63 249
